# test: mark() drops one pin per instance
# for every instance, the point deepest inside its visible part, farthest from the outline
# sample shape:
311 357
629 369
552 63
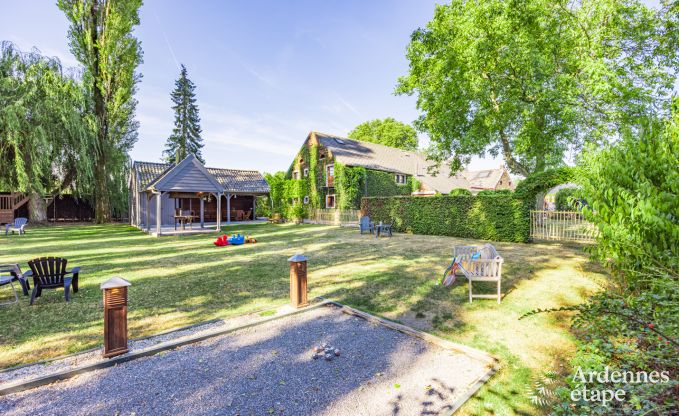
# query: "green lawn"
177 281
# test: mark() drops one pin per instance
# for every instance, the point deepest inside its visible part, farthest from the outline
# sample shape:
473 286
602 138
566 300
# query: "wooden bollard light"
115 316
298 283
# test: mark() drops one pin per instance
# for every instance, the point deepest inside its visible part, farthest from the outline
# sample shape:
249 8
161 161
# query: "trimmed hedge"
488 217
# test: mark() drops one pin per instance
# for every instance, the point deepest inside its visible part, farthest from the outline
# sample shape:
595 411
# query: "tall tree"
100 37
44 134
388 132
533 79
185 138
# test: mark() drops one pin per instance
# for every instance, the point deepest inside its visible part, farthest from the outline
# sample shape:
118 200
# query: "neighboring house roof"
483 179
379 157
231 180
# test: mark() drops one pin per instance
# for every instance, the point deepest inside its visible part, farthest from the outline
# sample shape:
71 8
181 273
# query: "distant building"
389 172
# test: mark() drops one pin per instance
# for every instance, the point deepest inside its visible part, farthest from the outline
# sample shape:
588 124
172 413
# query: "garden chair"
51 273
366 225
480 265
19 224
276 219
247 215
14 271
383 229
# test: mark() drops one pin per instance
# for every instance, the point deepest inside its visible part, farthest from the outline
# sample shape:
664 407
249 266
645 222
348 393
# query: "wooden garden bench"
485 267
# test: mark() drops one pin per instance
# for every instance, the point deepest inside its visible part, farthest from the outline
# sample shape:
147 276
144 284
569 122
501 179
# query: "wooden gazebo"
159 192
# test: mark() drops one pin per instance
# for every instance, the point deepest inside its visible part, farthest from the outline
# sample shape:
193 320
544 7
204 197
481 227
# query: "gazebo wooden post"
254 207
159 199
219 211
228 208
202 211
148 212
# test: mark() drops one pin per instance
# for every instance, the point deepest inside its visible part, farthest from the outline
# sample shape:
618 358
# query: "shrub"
495 192
460 191
631 187
487 217
567 199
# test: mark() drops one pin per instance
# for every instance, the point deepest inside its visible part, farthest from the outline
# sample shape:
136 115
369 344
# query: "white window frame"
400 179
327 174
306 199
306 172
295 175
334 201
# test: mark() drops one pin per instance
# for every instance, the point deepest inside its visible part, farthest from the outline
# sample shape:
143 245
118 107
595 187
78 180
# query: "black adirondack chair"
51 273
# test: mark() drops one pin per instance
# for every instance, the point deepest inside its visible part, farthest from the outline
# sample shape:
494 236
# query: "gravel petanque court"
270 369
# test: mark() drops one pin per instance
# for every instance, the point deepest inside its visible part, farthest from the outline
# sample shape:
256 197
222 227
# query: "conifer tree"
185 138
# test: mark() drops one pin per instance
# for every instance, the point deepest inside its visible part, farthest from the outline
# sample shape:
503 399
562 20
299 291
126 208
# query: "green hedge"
487 217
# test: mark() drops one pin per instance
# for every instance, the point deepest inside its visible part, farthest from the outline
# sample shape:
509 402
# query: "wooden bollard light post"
298 281
115 316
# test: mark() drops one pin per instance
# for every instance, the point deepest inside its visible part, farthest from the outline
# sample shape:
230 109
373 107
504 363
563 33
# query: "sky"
266 72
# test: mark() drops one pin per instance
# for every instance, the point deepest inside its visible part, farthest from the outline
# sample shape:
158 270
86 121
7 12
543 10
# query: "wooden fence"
562 226
334 216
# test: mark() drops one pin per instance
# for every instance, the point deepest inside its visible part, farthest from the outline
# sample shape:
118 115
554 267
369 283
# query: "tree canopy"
388 132
534 79
185 138
44 131
100 37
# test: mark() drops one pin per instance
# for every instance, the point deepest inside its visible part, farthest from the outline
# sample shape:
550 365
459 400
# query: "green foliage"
460 191
632 188
529 188
532 79
45 140
388 132
487 217
185 138
100 37
295 188
348 186
277 191
297 212
384 184
495 192
567 199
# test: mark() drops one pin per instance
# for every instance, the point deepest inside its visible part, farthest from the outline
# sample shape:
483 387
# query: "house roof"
483 179
379 157
189 175
231 180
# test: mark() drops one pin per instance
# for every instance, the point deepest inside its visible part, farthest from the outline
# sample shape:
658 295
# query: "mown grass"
177 281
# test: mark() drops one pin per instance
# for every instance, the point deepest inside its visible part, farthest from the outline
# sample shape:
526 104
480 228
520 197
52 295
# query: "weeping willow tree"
45 134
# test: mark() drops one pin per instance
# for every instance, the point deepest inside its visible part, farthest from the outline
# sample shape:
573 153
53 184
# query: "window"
329 175
306 199
322 156
400 179
295 175
330 201
306 172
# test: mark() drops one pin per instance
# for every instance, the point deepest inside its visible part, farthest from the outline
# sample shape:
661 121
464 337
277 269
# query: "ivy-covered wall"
488 217
350 183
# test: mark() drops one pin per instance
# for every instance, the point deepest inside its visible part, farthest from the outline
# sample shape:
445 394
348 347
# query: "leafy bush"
460 191
487 217
297 212
632 190
567 199
495 192
529 188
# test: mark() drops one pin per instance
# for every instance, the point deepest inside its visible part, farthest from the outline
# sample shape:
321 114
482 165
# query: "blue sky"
267 72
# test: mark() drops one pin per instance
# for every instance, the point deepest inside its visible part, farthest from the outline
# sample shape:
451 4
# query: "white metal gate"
562 226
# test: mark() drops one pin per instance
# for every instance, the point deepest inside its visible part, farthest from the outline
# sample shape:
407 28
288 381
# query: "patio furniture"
18 225
51 273
246 216
14 271
383 229
480 264
366 225
275 219
4 280
183 218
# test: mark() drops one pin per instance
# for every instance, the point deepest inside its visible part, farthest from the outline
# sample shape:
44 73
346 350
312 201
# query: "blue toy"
237 239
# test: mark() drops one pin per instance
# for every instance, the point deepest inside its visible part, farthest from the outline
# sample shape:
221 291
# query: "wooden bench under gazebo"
188 193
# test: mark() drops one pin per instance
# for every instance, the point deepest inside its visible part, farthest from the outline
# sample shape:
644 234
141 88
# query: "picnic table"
183 219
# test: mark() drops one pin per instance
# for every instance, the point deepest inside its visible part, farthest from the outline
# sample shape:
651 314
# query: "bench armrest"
27 274
74 270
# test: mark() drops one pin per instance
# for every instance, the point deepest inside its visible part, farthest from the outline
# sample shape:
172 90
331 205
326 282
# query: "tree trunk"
102 204
37 208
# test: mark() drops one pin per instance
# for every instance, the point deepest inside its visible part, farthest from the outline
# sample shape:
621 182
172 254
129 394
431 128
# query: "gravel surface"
269 369
42 369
